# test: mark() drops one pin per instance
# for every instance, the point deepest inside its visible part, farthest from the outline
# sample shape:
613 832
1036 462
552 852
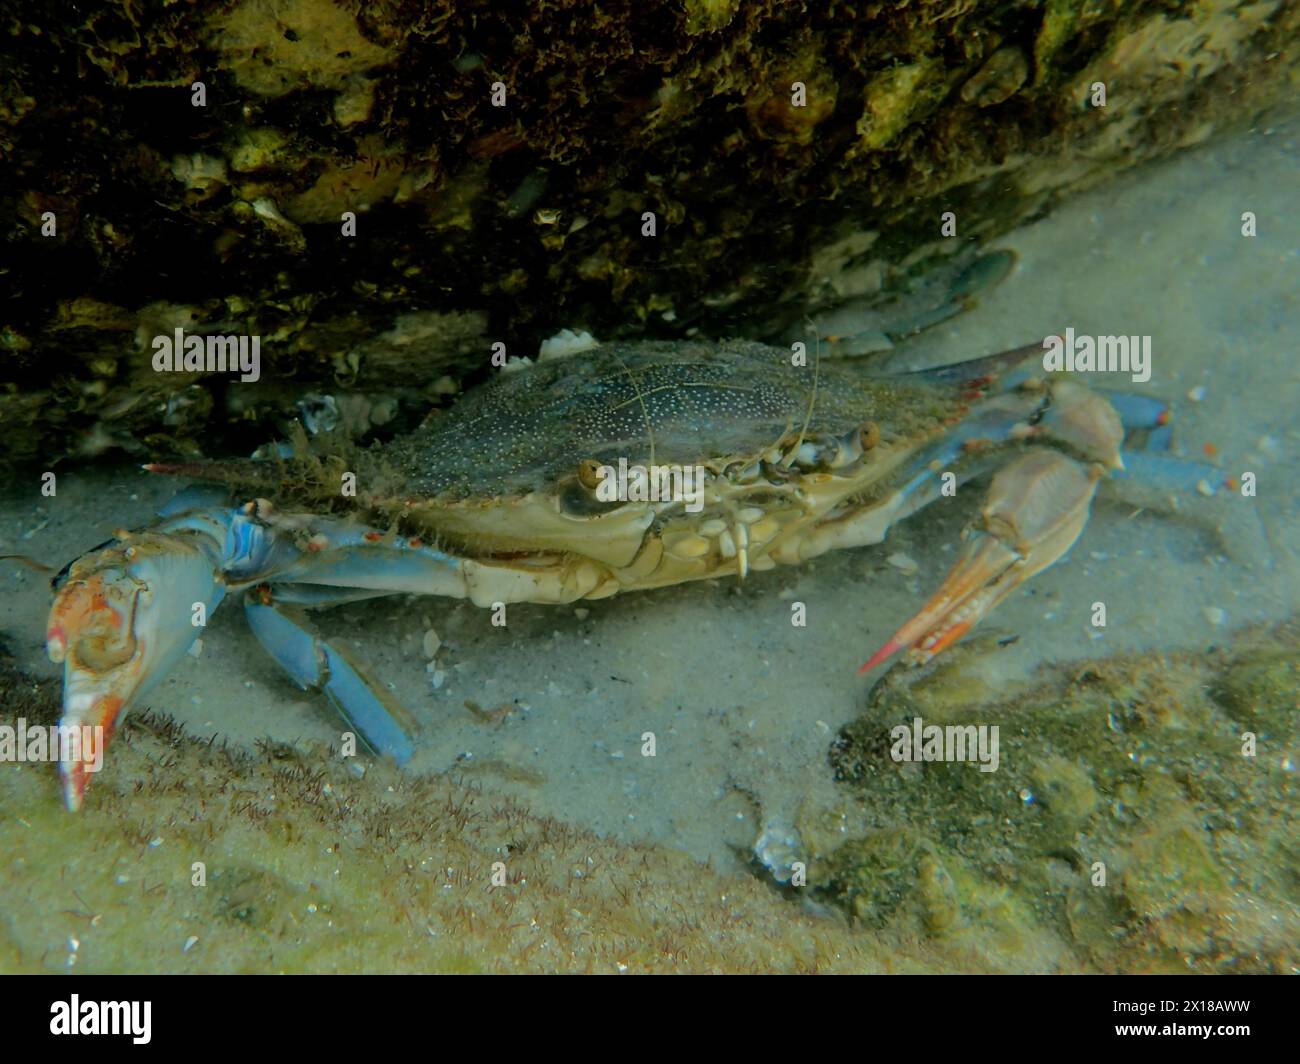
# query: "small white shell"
902 562
431 643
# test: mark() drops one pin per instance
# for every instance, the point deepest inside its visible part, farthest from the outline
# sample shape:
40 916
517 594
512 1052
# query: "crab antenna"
788 460
640 398
31 563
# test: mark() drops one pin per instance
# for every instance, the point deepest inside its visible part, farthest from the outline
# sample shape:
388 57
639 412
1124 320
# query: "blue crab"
504 499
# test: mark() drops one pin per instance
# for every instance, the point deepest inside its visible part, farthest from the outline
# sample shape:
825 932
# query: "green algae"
309 864
1261 690
1129 824
707 16
898 97
384 110
1124 830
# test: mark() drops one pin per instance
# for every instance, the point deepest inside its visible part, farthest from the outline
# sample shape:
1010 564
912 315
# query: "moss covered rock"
1128 820
500 162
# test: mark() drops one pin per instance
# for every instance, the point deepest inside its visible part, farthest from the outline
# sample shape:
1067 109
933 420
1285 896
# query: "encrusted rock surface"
191 166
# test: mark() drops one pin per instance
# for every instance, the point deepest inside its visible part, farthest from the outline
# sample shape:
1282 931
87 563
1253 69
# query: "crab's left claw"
123 615
1036 508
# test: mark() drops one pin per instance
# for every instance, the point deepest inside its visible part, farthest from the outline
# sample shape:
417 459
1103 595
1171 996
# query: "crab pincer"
1037 507
1035 510
120 622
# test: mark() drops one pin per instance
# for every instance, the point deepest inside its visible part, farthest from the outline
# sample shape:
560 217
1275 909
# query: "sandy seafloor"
743 704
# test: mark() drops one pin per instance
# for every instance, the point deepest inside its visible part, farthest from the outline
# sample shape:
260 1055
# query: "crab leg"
316 664
125 614
1036 508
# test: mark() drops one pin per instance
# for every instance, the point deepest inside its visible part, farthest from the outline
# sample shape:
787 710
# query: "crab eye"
577 500
589 473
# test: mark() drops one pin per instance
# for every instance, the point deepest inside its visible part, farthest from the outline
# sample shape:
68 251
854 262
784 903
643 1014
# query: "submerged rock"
310 173
1131 824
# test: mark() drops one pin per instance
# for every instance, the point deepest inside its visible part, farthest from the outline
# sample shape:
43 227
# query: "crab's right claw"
1036 509
123 615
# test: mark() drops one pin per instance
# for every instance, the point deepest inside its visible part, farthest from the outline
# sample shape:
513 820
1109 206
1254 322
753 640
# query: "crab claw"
1036 508
123 615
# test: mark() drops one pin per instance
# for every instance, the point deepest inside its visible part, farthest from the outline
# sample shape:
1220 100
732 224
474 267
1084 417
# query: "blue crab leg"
869 324
1007 369
1035 510
1174 474
1152 470
1038 506
345 555
950 454
316 664
355 558
125 613
1138 411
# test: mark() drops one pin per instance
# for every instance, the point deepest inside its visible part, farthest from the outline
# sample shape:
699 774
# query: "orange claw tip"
74 777
78 763
887 651
946 638
74 787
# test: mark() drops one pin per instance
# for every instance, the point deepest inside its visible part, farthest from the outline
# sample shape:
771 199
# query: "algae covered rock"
192 856
1260 688
1110 838
1129 818
310 173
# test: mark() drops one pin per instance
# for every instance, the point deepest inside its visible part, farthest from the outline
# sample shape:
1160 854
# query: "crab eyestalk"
123 615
